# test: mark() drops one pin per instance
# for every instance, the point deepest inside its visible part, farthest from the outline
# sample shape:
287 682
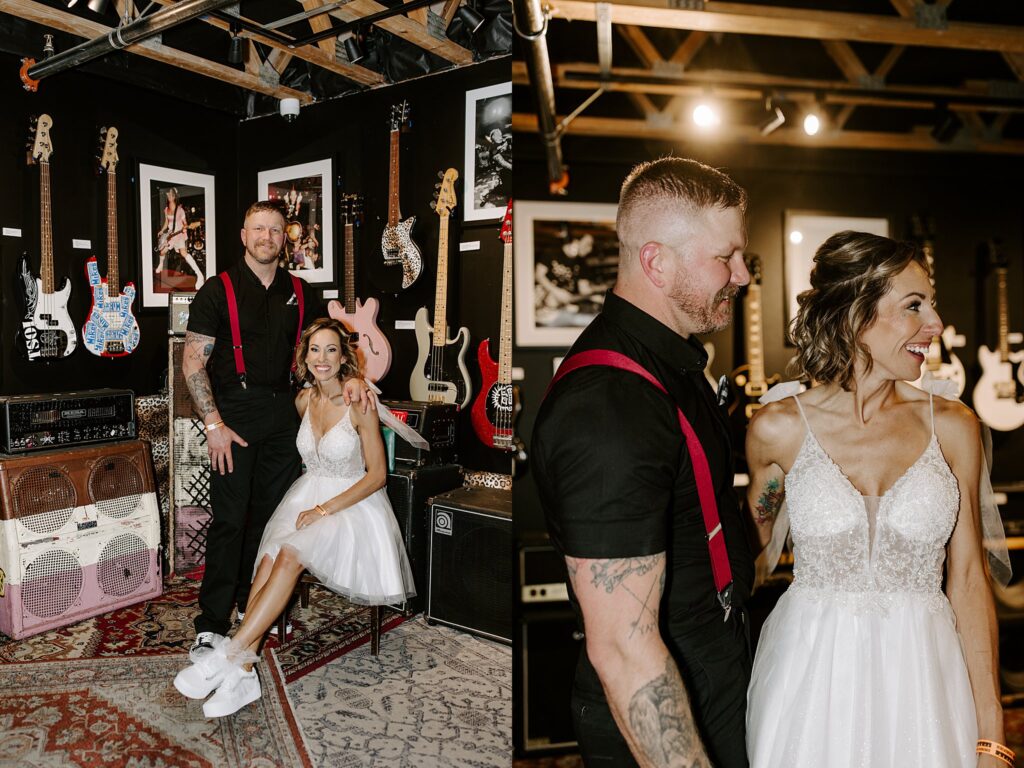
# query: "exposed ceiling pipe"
532 26
121 37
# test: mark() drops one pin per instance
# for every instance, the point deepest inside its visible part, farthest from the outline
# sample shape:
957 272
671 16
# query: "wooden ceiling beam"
644 104
320 23
641 45
279 59
914 141
150 49
743 18
405 28
689 48
353 72
843 56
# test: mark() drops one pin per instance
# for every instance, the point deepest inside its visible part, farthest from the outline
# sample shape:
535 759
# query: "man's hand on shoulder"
356 390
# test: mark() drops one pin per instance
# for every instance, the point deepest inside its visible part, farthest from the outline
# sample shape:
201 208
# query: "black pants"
716 682
244 500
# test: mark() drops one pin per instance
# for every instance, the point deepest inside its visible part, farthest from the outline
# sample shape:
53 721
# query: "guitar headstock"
108 149
351 209
41 147
399 115
994 256
506 224
754 267
444 198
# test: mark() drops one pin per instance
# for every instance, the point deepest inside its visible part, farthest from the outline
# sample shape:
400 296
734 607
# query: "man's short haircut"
677 179
272 206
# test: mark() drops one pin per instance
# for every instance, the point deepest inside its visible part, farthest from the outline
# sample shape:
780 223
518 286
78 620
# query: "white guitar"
440 374
111 330
996 394
46 330
951 371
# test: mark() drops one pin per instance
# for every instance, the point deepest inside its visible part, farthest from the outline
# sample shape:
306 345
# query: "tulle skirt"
846 684
357 552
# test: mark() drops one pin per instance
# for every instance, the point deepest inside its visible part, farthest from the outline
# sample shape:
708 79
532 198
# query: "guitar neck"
754 338
350 269
393 212
46 231
505 344
113 279
1004 319
441 292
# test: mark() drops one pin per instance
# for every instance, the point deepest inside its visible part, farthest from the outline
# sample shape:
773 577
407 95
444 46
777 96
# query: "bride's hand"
307 518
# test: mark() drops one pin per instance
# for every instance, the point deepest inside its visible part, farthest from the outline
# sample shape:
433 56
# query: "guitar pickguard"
47 331
111 330
399 248
440 373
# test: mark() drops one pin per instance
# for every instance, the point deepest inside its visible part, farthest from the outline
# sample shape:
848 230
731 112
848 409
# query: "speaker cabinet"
471 562
79 535
409 490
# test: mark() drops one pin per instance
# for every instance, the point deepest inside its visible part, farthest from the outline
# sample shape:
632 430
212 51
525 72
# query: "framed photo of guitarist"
178 220
566 258
306 193
487 178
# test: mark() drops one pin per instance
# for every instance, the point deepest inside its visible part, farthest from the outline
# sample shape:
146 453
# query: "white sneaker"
273 630
197 680
237 689
204 644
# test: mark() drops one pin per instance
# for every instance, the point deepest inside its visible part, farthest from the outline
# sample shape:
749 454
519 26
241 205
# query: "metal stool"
302 589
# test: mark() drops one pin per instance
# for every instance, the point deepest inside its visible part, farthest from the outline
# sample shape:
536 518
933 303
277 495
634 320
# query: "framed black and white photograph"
566 259
306 193
803 233
178 219
487 182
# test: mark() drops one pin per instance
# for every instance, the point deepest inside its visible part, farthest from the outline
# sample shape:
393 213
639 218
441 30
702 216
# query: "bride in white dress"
865 661
335 521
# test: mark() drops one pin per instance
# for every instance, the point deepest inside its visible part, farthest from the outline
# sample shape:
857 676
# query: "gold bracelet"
323 512
997 750
213 425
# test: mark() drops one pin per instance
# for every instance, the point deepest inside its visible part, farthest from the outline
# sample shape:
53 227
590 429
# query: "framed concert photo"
487 174
177 218
566 257
803 234
305 192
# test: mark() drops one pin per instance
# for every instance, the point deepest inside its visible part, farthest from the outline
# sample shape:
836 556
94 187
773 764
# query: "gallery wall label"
83 244
12 232
472 245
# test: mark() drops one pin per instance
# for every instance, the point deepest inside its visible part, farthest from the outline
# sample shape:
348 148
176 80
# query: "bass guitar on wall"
46 332
360 319
440 374
111 329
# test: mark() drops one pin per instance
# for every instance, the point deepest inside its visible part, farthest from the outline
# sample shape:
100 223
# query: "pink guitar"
359 318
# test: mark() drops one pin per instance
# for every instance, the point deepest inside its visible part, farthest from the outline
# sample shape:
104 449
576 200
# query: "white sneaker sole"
223 709
194 692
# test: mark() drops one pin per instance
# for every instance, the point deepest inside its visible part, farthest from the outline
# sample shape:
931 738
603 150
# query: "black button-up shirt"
615 477
268 319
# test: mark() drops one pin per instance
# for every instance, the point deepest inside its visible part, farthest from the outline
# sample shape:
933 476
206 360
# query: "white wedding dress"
358 552
860 664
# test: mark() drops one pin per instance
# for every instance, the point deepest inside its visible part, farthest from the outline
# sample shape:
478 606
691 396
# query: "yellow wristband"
213 425
997 750
323 512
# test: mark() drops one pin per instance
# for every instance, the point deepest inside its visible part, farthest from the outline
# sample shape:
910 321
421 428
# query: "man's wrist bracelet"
997 750
213 425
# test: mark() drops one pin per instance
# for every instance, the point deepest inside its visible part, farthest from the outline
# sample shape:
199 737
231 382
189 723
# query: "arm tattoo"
612 574
769 503
661 720
198 349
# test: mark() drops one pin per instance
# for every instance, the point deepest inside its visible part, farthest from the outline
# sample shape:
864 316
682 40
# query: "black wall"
352 131
971 197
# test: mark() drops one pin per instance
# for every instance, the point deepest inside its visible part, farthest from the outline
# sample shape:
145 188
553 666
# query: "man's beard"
706 317
265 260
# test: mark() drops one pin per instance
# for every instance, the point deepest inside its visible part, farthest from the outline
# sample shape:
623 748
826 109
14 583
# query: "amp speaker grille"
44 499
53 582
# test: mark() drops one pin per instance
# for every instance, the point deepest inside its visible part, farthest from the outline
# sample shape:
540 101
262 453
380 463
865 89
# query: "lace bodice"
865 550
339 453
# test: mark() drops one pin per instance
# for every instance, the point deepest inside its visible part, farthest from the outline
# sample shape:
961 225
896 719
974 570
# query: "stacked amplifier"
79 535
40 422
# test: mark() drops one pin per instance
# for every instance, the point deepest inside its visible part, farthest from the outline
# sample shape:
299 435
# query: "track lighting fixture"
96 6
353 50
470 17
705 115
946 128
236 49
812 123
774 119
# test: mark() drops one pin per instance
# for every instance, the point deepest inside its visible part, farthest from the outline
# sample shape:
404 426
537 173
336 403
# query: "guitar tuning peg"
440 174
437 186
433 204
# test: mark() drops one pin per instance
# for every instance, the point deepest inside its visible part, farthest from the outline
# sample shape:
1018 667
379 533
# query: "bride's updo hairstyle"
852 272
349 368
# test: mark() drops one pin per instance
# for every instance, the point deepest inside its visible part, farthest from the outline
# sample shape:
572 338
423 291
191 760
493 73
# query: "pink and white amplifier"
79 535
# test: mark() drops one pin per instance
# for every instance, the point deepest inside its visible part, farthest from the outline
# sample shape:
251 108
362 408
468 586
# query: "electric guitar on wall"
46 330
111 330
997 395
439 357
493 408
396 242
750 379
360 319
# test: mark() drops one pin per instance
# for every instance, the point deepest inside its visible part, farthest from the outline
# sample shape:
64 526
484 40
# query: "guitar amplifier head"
179 305
435 422
52 420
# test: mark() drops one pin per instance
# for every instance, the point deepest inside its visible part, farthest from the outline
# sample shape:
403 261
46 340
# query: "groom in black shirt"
663 677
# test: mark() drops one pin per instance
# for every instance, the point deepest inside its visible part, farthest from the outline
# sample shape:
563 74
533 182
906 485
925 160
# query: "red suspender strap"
236 331
301 299
720 567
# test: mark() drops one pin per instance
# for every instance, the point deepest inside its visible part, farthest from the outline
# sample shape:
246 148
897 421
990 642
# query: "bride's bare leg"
259 580
267 605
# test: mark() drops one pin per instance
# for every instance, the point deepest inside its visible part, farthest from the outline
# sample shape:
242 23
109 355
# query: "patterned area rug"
125 712
433 698
329 627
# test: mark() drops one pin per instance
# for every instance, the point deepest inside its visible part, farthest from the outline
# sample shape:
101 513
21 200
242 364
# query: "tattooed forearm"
198 349
202 395
609 574
769 502
662 723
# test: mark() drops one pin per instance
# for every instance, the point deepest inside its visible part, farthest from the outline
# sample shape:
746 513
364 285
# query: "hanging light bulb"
812 123
705 115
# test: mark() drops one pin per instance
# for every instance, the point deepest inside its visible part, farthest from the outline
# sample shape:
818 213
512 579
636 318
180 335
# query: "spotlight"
289 109
353 50
812 124
98 6
236 50
705 115
774 120
946 128
796 237
470 17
